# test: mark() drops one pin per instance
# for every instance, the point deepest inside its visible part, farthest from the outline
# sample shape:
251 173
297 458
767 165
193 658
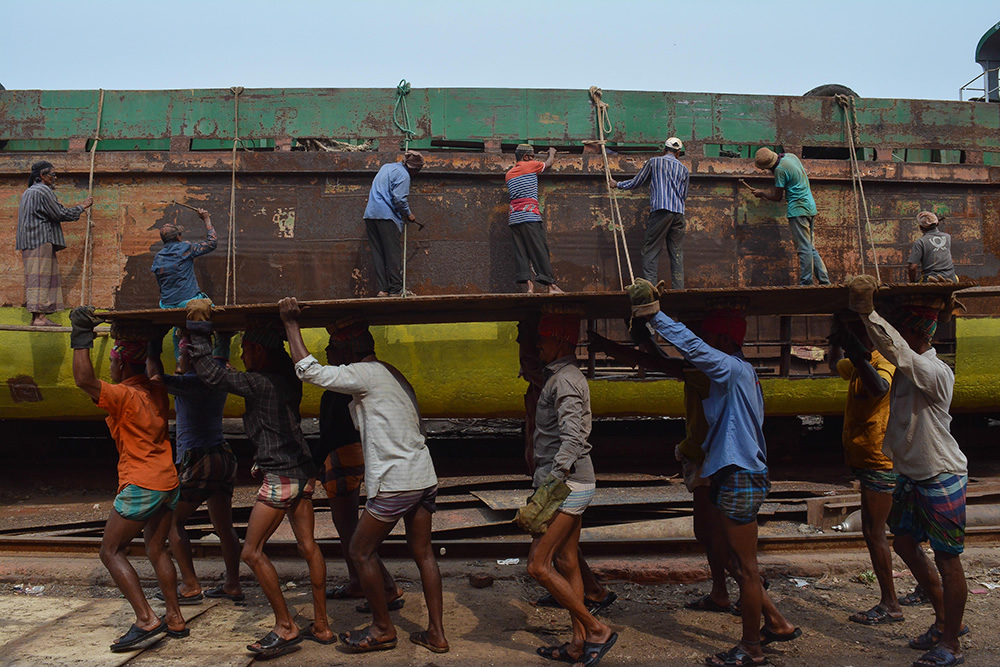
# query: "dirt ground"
79 613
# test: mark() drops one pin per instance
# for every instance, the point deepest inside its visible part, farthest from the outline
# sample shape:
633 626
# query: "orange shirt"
865 417
137 419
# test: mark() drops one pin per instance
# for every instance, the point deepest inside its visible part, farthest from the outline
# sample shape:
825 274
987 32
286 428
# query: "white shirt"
386 413
917 437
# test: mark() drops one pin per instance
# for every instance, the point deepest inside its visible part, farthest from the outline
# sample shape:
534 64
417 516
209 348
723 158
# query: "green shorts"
138 504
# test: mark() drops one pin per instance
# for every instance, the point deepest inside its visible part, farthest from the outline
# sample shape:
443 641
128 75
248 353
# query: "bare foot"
553 289
42 321
531 287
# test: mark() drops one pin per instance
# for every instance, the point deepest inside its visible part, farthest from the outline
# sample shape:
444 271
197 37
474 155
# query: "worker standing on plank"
668 187
39 238
173 265
930 255
387 211
932 473
792 183
531 248
399 477
147 482
865 417
735 454
271 421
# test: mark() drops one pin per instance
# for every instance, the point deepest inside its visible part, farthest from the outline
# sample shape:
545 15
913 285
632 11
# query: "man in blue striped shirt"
668 187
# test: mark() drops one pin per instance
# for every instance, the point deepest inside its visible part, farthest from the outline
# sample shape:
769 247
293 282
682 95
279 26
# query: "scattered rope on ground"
86 271
846 103
334 146
400 115
604 125
231 244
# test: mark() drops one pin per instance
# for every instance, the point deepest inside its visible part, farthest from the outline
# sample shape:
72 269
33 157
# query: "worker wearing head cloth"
532 263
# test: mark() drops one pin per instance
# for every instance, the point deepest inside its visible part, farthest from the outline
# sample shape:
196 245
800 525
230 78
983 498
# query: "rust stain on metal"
24 389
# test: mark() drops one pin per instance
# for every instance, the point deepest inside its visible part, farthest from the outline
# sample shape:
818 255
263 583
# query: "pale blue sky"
913 49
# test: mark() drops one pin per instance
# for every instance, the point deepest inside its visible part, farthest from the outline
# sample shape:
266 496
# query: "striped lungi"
42 289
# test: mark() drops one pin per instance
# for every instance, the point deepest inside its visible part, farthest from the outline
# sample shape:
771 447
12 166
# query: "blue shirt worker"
792 183
735 453
668 187
387 211
173 266
930 255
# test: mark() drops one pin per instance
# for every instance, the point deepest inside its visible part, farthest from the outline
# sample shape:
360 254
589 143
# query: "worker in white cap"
930 255
668 187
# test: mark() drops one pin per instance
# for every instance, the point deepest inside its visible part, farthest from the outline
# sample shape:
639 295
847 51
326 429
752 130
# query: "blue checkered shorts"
739 493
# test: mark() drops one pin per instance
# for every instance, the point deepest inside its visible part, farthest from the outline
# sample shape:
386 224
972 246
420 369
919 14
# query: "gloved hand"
83 320
199 310
156 334
854 348
644 297
951 307
534 517
638 330
862 294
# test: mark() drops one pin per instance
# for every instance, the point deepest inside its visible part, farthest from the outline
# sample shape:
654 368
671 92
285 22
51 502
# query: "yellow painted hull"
464 370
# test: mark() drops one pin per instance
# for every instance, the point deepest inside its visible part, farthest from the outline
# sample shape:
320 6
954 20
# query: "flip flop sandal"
597 606
182 600
877 615
938 657
421 639
349 645
932 638
593 652
547 601
217 592
734 657
707 604
549 653
307 635
914 598
767 636
135 636
366 608
179 634
340 593
272 643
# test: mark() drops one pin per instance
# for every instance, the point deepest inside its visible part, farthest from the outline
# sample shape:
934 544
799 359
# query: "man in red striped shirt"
531 249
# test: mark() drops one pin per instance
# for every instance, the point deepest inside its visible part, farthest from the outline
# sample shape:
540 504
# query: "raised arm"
81 340
211 241
289 310
639 179
669 366
551 158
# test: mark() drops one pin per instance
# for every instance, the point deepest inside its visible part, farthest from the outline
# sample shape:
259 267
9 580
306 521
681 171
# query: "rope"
231 242
85 278
846 103
604 125
400 115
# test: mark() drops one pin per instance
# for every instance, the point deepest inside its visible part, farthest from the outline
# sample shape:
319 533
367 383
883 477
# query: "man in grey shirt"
930 256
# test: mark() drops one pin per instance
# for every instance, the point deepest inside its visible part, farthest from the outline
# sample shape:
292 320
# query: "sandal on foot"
351 645
422 639
597 606
217 592
182 600
767 636
340 593
549 653
877 615
272 643
734 657
932 638
394 604
308 635
593 651
914 598
547 601
938 656
135 636
707 604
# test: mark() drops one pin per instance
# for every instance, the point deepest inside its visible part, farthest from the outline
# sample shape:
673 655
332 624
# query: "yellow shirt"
865 417
696 386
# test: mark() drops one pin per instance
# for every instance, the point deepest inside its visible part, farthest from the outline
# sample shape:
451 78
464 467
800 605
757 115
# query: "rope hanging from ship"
87 270
231 243
400 114
846 103
604 125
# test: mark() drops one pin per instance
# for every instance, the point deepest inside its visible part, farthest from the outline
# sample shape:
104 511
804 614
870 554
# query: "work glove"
534 517
951 307
854 348
638 331
861 298
83 320
199 317
644 297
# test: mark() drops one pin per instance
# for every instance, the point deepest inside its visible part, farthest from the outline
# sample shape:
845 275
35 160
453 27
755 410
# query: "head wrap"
921 319
765 158
269 337
413 160
926 219
170 231
36 171
522 150
129 351
564 327
354 340
729 321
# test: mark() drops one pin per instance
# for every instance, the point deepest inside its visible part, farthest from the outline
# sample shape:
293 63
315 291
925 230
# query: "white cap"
674 144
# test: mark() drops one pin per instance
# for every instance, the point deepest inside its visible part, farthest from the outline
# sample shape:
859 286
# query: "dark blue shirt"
173 267
199 412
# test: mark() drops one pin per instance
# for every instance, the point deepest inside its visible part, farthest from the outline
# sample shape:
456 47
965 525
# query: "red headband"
563 327
729 321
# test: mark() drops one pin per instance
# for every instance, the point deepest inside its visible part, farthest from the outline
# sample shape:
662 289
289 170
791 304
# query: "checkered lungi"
931 509
880 481
205 472
42 288
136 503
343 471
739 493
393 505
282 492
579 498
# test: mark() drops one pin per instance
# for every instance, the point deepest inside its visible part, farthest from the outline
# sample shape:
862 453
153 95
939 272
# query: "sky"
890 49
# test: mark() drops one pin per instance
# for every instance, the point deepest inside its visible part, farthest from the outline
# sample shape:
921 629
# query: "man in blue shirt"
173 266
668 187
735 454
387 211
792 182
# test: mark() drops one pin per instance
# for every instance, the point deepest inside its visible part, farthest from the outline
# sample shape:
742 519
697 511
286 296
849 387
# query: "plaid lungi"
739 493
205 472
343 471
136 503
879 481
282 492
931 509
392 505
42 289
